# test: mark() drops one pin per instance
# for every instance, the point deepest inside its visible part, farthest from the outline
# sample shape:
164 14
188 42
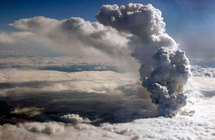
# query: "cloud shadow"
97 107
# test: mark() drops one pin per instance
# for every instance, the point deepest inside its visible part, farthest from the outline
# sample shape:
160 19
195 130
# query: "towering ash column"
164 67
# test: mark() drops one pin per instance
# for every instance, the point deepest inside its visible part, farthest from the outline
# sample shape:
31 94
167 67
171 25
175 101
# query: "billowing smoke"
77 37
164 68
75 32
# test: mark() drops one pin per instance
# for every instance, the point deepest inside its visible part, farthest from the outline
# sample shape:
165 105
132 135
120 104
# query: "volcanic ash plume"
164 68
169 75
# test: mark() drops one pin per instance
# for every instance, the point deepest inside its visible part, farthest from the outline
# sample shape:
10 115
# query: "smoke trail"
164 68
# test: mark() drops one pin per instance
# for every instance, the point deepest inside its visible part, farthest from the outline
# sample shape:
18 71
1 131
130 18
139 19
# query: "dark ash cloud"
164 68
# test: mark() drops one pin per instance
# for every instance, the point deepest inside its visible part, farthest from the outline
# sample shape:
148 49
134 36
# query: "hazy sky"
189 22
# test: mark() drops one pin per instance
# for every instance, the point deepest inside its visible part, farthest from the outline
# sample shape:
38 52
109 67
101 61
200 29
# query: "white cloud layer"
86 81
203 72
198 125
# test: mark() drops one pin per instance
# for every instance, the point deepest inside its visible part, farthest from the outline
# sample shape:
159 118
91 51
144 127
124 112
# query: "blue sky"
190 22
177 13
